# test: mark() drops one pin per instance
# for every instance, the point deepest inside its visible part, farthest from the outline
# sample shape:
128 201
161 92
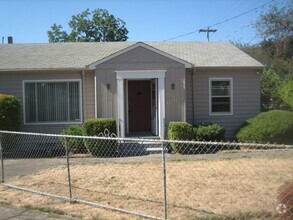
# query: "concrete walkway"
12 213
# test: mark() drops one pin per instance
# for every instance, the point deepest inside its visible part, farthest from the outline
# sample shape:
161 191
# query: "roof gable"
132 47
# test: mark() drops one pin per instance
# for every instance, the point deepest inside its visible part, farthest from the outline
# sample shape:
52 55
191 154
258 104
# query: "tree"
270 82
286 93
87 26
56 35
276 52
276 27
277 23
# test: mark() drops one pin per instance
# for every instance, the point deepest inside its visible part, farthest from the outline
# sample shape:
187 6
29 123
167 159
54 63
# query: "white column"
96 95
161 89
120 103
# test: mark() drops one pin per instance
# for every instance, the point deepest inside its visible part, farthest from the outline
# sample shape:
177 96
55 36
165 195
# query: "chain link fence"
152 178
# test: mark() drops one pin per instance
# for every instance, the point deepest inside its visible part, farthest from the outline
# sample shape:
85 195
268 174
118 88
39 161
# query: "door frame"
121 76
154 106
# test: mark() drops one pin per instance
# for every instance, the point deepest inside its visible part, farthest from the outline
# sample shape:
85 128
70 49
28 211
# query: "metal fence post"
68 169
2 160
164 182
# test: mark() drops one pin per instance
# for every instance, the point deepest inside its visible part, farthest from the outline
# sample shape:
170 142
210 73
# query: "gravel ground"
13 213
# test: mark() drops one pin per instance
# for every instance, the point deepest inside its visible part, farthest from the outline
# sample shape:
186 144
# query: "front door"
139 105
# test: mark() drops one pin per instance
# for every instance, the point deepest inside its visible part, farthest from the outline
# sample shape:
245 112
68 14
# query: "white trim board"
230 79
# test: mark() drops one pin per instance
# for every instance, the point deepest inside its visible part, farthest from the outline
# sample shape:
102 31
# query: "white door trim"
140 74
154 107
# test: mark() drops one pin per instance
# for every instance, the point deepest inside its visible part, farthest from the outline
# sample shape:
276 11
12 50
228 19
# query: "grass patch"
4 203
249 150
97 218
51 210
262 214
237 188
44 209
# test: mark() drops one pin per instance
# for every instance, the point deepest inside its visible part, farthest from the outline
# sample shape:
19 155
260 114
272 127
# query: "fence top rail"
155 141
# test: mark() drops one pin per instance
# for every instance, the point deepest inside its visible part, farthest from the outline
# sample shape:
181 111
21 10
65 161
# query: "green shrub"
11 144
209 132
75 145
100 148
180 131
273 126
9 113
10 121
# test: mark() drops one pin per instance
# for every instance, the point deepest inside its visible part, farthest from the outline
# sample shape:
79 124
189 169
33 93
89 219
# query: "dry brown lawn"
194 188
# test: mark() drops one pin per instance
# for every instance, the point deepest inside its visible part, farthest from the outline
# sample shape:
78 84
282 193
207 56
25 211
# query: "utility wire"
221 22
228 12
228 35
183 35
244 13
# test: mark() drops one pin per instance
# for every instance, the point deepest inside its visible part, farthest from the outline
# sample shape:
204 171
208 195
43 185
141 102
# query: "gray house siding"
89 95
106 98
189 96
141 59
175 98
246 98
12 83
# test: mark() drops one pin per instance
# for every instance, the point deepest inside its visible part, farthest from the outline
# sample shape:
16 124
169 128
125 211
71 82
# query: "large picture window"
221 96
49 102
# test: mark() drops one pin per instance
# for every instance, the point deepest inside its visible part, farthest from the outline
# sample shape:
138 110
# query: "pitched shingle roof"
80 55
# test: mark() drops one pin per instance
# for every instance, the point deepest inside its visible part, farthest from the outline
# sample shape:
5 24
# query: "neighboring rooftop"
79 55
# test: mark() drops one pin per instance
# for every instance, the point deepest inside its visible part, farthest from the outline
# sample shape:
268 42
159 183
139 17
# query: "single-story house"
143 85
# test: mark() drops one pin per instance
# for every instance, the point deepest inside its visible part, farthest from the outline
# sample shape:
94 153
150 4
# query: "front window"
220 96
47 102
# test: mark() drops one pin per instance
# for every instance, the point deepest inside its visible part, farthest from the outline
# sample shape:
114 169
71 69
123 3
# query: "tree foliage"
277 23
286 93
275 51
270 83
56 35
95 26
276 27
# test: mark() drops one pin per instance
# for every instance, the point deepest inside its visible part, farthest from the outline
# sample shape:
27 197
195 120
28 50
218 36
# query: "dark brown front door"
139 105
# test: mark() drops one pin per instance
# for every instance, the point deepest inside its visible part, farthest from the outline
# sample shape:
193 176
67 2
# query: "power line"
183 35
228 11
251 39
237 30
244 13
221 22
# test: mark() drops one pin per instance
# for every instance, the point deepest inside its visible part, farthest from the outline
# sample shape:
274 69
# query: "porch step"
137 148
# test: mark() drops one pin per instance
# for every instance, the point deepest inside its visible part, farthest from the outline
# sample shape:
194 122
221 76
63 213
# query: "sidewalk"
12 213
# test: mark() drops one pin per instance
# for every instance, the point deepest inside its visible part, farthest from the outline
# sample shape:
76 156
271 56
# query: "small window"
51 102
220 96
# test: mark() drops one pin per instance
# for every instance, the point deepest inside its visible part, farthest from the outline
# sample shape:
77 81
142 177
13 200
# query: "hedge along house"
143 86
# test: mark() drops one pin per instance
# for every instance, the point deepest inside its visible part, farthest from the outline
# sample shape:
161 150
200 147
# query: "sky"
146 20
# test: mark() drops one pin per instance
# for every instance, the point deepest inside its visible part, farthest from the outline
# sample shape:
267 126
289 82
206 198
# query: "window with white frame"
221 101
52 101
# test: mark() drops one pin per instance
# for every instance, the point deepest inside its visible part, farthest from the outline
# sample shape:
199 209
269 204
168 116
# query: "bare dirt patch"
194 188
